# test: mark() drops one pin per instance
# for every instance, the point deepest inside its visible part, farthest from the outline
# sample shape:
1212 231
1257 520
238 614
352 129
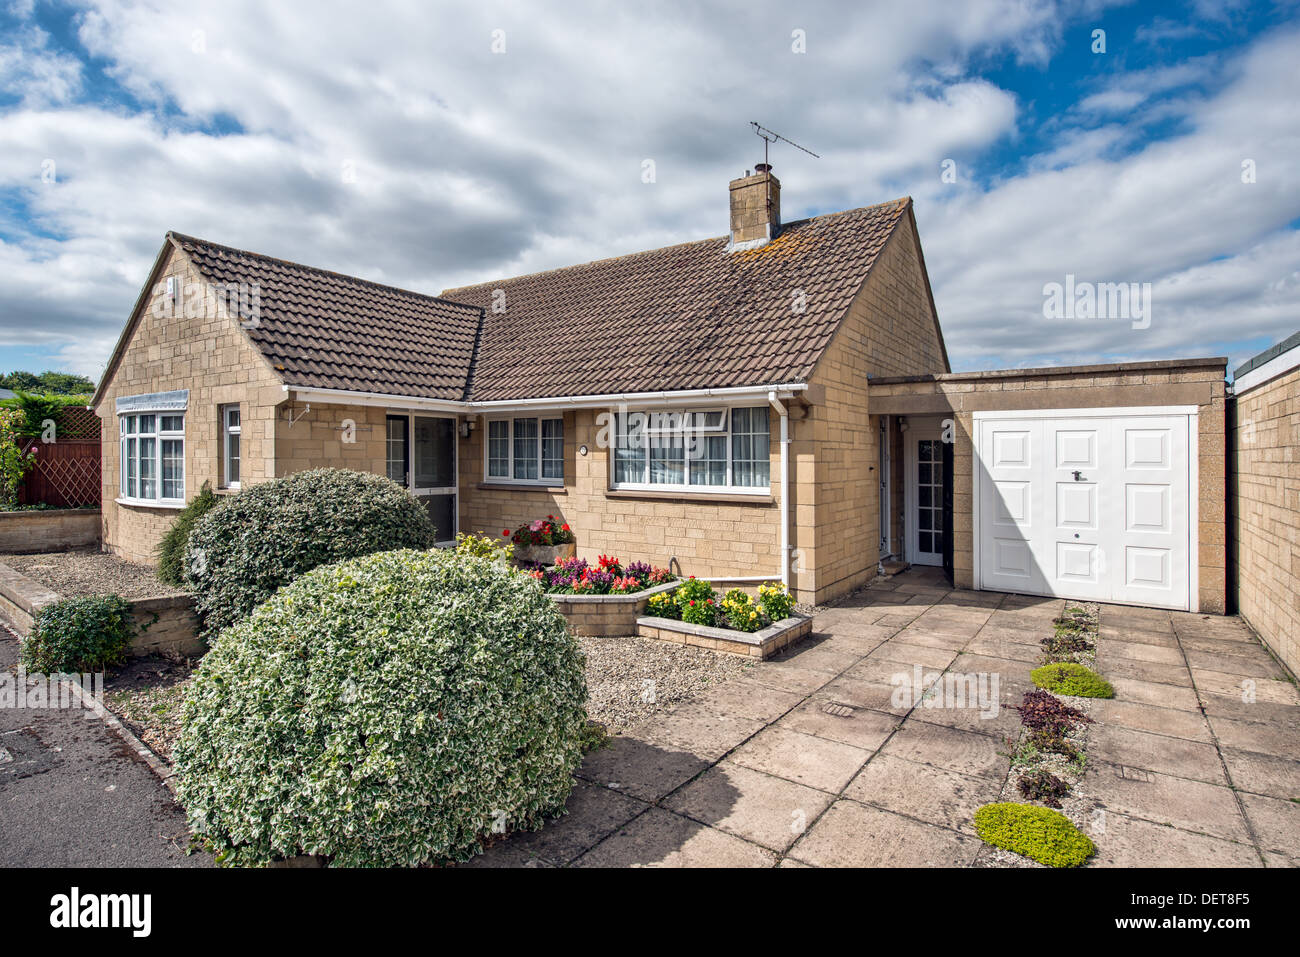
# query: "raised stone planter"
49 530
164 626
545 554
606 616
757 644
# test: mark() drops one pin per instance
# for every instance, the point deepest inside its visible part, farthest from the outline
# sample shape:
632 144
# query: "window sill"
523 487
168 504
729 496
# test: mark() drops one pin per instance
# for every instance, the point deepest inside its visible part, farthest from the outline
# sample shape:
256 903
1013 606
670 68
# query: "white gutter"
641 399
785 486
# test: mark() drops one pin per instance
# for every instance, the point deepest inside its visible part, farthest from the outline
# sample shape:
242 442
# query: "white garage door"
1091 504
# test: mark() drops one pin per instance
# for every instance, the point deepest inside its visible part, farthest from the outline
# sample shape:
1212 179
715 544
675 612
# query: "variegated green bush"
272 532
391 710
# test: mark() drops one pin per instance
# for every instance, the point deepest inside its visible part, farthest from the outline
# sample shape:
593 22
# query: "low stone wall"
759 644
49 530
606 616
163 626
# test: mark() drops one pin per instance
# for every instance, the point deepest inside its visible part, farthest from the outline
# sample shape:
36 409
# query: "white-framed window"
711 450
153 457
525 449
231 431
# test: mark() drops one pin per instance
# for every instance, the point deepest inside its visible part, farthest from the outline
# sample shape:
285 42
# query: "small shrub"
775 601
481 546
270 533
171 550
1072 679
1038 833
664 605
697 602
740 612
1041 711
82 634
1043 786
392 710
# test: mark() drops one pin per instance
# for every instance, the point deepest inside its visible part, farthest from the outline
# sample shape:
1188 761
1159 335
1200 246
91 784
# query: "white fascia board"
1278 365
345 397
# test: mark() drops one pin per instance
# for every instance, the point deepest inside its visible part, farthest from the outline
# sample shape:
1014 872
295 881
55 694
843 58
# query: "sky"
432 145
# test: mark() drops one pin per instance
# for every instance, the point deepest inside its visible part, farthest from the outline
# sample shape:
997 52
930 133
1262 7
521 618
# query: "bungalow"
772 403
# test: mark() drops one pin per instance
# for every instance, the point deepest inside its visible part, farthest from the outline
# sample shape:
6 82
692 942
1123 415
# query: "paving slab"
1178 757
1180 802
802 758
1007 669
698 729
1177 697
1257 665
1163 639
1244 688
1001 647
1283 716
902 651
1275 821
1119 712
859 727
857 692
1268 774
1135 651
953 749
787 676
1131 842
923 791
640 769
745 699
1278 740
758 807
1112 665
850 834
826 657
659 838
925 637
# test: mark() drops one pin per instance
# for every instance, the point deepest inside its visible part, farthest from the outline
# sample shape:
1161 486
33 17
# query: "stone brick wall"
709 536
1266 512
320 437
212 357
1167 383
48 531
889 330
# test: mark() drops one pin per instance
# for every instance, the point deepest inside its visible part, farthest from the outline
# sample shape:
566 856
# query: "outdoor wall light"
582 450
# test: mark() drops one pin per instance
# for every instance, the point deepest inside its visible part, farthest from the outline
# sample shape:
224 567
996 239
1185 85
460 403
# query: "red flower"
505 532
565 527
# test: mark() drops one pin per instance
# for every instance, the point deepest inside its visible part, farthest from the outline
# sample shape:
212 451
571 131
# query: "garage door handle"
1078 476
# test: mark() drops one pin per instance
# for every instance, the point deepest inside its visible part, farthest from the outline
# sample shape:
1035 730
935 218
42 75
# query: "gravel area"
90 572
146 693
631 678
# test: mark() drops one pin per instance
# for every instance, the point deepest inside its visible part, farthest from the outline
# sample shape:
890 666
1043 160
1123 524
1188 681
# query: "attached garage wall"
1266 511
1175 383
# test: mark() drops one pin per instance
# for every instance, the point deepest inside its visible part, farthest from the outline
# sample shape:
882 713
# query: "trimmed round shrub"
171 549
269 534
387 711
86 633
1071 679
1038 833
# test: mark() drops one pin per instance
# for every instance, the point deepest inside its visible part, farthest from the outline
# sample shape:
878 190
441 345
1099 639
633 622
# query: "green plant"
543 531
664 605
697 602
775 601
1038 833
392 710
1072 679
14 462
481 546
1042 785
270 533
170 551
81 634
740 612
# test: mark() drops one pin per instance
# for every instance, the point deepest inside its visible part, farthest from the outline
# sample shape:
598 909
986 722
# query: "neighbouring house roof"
685 317
693 316
324 330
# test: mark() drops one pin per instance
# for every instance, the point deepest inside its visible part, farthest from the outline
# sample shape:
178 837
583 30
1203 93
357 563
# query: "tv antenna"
771 136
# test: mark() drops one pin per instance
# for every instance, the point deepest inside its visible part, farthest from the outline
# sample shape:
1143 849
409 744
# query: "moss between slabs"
1039 833
1071 679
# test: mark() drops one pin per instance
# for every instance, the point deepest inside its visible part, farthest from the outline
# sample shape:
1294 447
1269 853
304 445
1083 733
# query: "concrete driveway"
814 760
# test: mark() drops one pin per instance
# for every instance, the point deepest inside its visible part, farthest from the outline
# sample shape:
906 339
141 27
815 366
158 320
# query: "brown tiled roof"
325 330
683 317
692 316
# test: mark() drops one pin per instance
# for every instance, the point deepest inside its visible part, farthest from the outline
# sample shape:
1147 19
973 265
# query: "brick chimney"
755 207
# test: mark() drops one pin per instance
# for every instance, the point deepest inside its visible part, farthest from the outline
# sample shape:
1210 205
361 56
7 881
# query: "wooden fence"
65 472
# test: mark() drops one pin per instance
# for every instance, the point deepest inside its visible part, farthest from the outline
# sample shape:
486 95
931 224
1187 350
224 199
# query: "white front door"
923 491
1093 505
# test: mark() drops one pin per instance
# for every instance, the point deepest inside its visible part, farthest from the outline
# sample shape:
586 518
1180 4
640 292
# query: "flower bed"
603 601
737 622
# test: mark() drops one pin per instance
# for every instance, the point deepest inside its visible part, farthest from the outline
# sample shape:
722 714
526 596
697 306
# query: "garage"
1094 504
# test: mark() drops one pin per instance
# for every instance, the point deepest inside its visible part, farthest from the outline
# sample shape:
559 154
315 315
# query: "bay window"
525 449
711 450
153 457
